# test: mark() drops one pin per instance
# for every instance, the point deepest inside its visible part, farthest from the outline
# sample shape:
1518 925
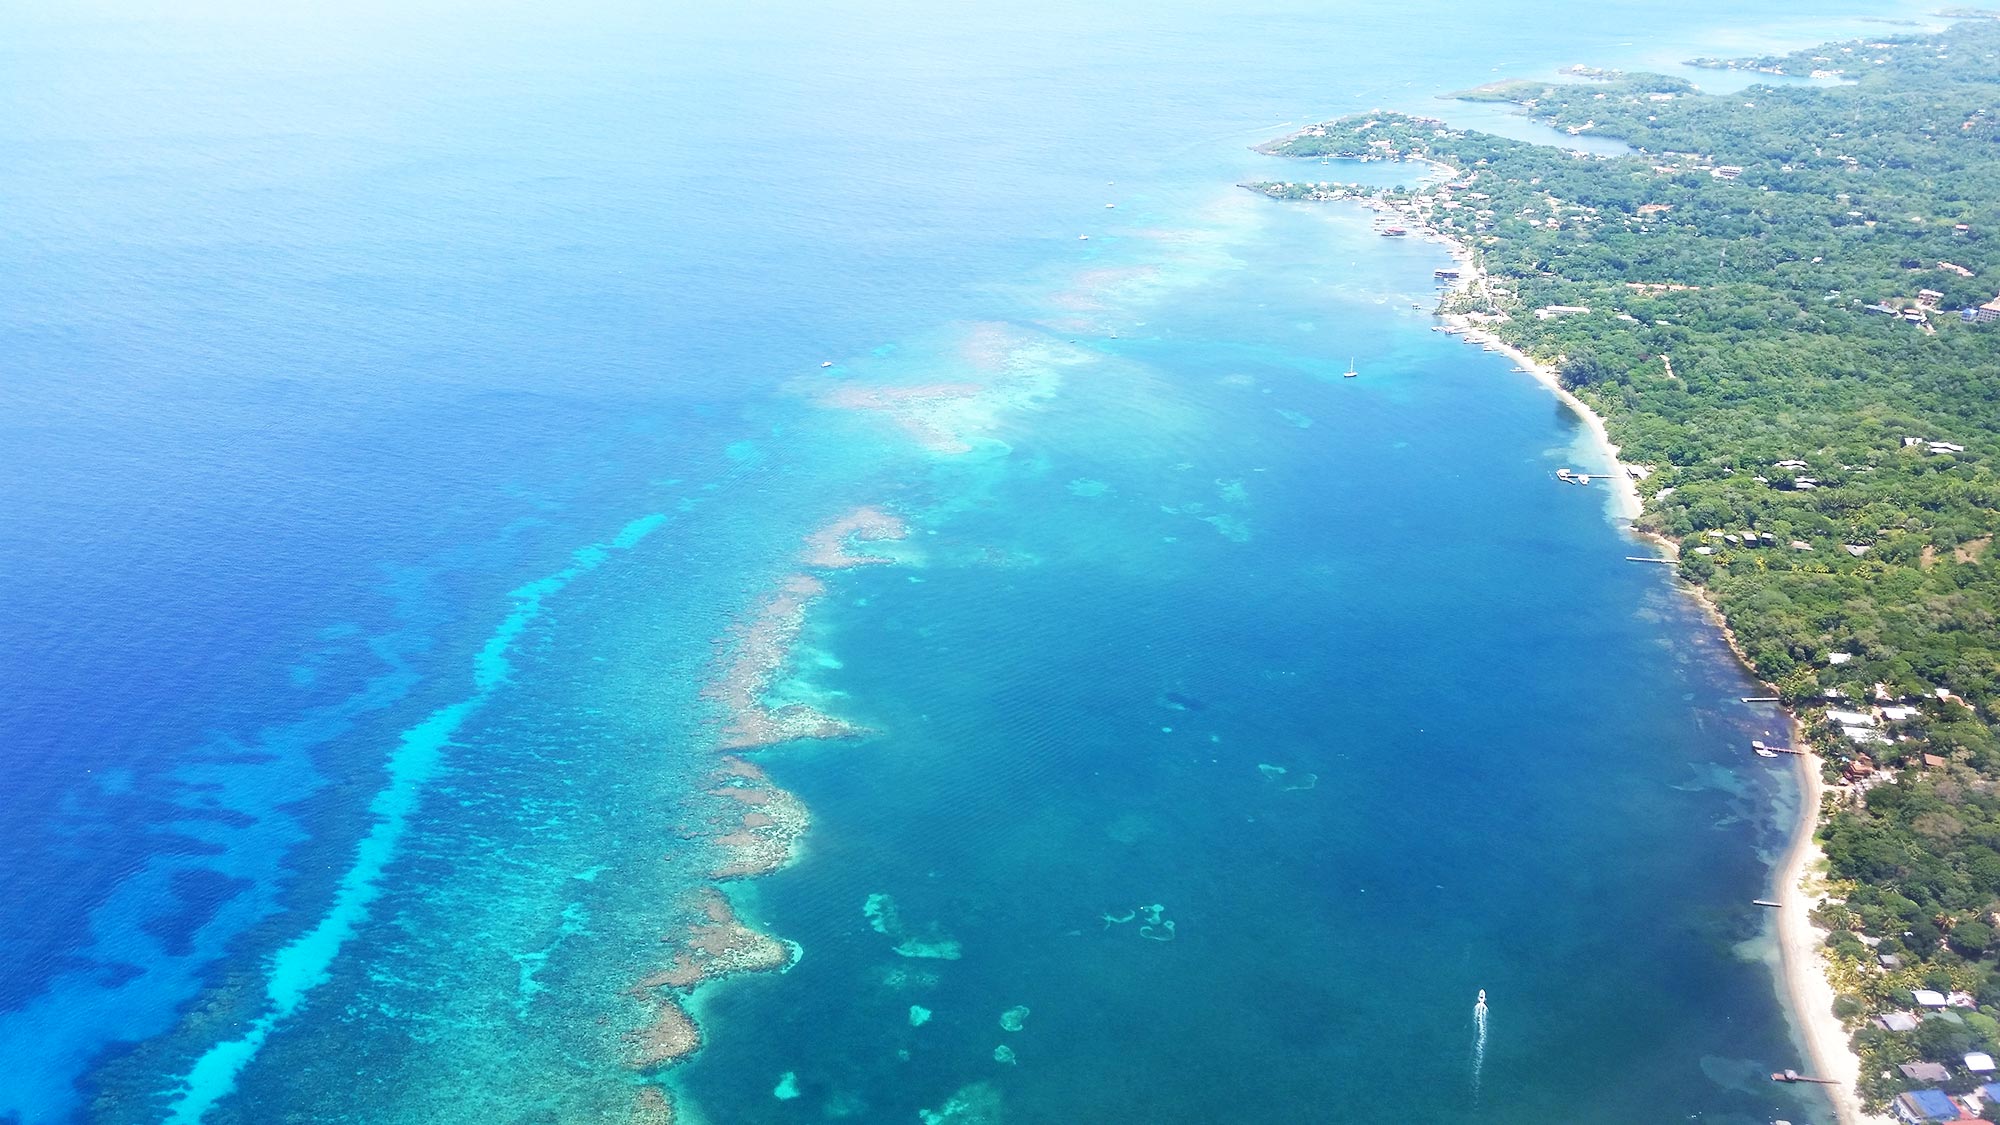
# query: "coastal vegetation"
1783 302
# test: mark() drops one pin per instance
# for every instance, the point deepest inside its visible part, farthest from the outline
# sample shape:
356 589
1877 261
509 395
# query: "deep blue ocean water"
396 402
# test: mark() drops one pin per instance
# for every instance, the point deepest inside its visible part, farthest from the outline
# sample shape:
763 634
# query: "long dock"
1641 558
1760 699
1756 744
1795 1076
1765 902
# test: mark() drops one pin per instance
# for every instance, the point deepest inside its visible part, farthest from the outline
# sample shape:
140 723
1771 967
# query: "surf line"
303 965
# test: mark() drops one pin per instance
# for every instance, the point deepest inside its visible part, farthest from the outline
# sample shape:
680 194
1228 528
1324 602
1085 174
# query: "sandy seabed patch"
930 414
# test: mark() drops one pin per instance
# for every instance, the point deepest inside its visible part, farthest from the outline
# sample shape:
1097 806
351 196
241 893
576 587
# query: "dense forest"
1775 300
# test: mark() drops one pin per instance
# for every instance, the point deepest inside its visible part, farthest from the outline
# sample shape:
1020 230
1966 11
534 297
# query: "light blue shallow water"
344 772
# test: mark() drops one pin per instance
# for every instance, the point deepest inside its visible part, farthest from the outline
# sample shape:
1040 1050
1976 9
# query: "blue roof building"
1918 1106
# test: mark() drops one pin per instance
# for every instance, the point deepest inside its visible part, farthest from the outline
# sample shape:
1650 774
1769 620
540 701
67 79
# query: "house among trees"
1927 1072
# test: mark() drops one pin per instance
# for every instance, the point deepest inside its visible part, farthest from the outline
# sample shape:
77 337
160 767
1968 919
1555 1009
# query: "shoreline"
1808 992
1801 976
1800 971
1626 503
1624 490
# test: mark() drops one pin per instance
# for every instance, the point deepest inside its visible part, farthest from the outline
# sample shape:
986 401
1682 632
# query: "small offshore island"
1782 306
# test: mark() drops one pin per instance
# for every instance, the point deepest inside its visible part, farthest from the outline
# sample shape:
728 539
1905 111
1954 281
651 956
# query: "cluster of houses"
1681 163
1791 465
1550 312
1930 446
1718 538
1928 301
1655 288
1990 311
1789 478
1863 728
1763 539
1917 314
1929 1103
1742 539
1863 725
1980 314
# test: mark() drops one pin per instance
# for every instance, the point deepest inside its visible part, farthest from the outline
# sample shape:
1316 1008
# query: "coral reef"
832 546
757 650
761 839
717 945
652 1105
670 1037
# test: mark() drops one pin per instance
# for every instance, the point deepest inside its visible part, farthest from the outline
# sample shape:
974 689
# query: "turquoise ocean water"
399 404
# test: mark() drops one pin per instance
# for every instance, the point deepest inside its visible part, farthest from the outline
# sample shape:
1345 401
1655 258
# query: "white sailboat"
1350 372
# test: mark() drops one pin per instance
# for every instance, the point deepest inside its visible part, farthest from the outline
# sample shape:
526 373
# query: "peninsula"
1783 304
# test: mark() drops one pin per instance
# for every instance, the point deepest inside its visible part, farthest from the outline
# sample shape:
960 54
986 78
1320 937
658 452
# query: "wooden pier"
1795 1076
1760 699
1643 558
1758 745
1765 902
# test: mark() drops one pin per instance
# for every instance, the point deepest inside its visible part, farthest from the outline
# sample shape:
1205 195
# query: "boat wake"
1478 1043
